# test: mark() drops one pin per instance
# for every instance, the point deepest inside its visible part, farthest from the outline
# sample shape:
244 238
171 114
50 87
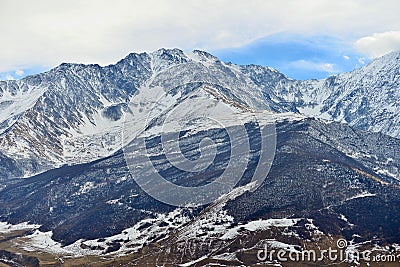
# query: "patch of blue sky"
20 73
298 56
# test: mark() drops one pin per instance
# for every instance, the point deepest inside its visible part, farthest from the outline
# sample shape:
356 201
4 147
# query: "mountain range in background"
335 173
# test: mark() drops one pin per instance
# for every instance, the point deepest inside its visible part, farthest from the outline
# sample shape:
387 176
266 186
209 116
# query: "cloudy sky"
303 38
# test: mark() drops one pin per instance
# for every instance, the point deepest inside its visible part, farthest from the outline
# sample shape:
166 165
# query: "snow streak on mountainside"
368 98
74 113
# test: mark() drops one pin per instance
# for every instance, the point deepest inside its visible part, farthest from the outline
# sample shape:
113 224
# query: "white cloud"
313 66
346 57
379 44
19 72
9 77
48 32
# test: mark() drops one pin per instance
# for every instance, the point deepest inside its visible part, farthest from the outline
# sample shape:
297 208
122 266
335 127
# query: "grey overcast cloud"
42 34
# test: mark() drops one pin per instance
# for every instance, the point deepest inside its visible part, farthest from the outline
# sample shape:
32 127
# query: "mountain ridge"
365 98
77 103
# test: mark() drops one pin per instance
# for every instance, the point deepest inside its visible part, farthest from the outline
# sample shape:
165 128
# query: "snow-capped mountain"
327 180
74 113
367 98
68 101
